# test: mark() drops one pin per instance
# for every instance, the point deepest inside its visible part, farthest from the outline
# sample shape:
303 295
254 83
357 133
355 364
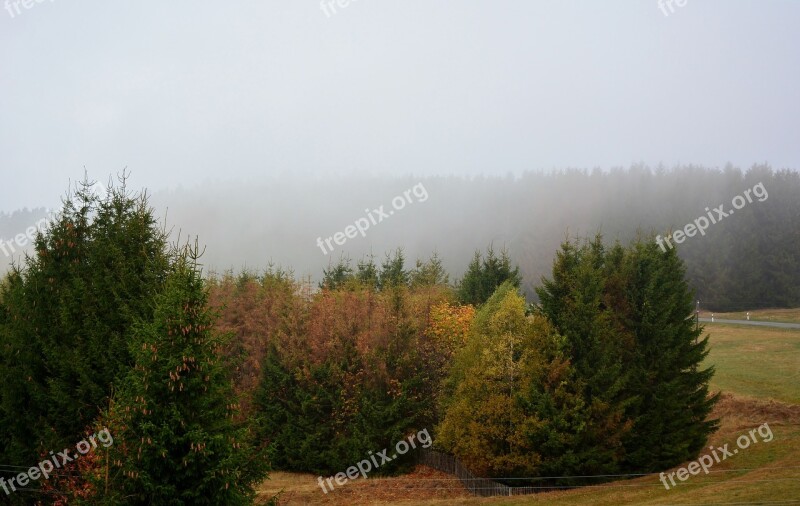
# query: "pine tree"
470 289
484 275
670 389
430 273
336 276
278 402
69 313
367 272
175 414
626 316
598 349
20 365
393 271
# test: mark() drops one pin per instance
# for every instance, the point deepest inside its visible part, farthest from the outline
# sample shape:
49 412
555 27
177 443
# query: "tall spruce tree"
175 414
67 315
596 347
633 307
652 300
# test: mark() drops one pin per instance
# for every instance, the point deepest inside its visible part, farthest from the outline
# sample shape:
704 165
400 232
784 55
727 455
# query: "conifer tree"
336 276
69 312
367 272
352 378
598 348
670 389
393 271
484 275
175 414
429 273
626 315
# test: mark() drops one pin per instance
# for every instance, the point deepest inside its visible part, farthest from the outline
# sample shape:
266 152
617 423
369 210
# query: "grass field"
759 362
764 315
758 371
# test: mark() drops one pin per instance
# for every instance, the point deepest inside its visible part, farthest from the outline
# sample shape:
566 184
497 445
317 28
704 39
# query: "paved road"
753 322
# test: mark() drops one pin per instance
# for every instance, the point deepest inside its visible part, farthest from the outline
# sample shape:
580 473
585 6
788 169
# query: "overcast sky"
184 91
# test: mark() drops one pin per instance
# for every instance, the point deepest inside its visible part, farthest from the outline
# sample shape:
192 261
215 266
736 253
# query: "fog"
744 260
266 129
184 92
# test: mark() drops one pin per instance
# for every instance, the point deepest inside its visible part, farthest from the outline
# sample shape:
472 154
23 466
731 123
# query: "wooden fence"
477 486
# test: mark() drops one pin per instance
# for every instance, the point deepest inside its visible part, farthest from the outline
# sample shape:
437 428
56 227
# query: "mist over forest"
348 253
746 260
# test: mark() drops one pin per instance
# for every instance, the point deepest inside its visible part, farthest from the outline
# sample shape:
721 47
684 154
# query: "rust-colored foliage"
356 350
77 480
254 309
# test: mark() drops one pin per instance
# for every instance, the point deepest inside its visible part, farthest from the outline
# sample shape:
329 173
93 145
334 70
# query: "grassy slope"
758 369
759 362
766 315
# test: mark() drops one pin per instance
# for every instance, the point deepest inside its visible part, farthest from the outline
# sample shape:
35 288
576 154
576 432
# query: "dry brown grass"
422 485
743 411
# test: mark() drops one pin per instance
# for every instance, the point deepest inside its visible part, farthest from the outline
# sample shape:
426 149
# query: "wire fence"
477 486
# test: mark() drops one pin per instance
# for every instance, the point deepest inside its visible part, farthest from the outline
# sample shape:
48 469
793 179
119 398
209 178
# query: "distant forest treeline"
751 259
